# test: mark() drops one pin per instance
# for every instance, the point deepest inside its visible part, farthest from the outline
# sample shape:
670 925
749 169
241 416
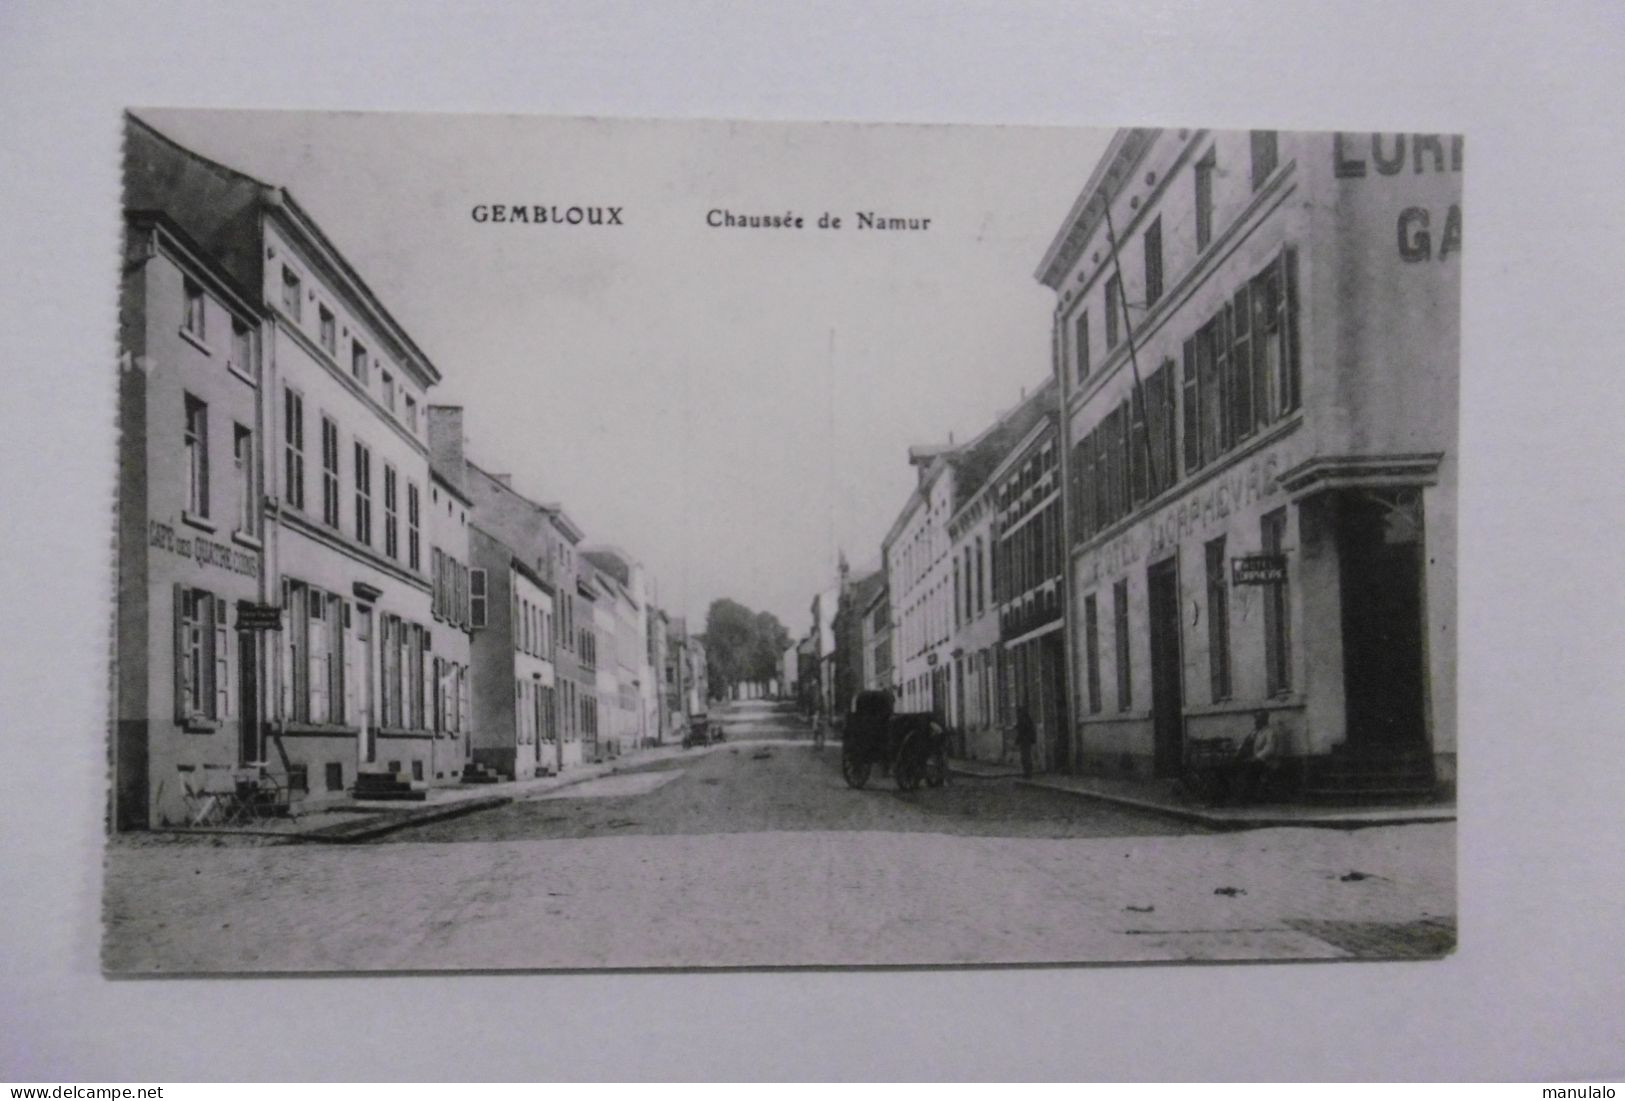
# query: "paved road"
754 788
763 857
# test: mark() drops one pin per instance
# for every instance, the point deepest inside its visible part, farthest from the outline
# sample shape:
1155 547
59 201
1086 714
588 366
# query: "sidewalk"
356 820
1161 797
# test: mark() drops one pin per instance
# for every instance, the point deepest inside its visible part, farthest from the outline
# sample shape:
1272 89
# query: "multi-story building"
542 537
344 468
877 649
1029 589
449 514
856 593
515 697
189 696
1257 338
787 675
980 726
660 667
636 703
591 712
917 553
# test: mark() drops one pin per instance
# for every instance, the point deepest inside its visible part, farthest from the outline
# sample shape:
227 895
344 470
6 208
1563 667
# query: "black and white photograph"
552 543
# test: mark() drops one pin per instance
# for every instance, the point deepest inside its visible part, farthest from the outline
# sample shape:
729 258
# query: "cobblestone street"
759 855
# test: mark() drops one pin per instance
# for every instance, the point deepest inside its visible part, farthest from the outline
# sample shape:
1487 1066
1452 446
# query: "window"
358 362
315 677
958 590
334 775
1153 262
197 457
1080 343
437 583
242 448
291 300
202 680
413 543
392 547
328 327
411 413
1114 298
1218 621
1266 155
1125 679
194 318
242 349
387 384
981 578
477 605
330 472
1204 200
293 443
1091 650
363 493
1277 653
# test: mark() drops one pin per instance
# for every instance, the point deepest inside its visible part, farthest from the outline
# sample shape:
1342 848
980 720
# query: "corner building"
1261 499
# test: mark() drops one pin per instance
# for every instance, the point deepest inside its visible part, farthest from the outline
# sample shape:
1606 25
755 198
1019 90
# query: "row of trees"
741 645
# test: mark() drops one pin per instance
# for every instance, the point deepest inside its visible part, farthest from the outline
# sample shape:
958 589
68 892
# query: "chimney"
446 450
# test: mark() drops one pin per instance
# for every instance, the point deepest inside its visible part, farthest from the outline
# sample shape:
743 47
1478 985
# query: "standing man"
1026 738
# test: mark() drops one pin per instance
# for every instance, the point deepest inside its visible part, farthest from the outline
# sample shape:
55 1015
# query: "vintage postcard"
553 543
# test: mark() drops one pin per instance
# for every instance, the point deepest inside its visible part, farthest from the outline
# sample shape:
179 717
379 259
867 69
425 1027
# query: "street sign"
1258 569
258 617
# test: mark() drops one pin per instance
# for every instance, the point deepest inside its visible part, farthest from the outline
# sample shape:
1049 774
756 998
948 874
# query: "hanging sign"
1258 569
258 617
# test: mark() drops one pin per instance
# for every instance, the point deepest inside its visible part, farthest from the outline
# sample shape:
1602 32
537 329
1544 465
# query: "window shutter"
1189 396
180 652
222 659
434 570
348 644
420 666
476 589
465 721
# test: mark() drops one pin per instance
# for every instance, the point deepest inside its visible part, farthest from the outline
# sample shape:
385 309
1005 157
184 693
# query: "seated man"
1258 757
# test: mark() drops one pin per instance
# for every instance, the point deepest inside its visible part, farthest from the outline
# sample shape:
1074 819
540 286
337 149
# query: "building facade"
1029 590
449 518
190 525
877 640
516 706
343 466
1258 351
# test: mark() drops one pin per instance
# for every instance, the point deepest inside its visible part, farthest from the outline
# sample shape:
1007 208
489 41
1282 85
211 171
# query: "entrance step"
389 785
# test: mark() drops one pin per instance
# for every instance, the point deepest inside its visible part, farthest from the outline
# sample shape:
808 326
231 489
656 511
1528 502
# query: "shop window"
1218 621
196 444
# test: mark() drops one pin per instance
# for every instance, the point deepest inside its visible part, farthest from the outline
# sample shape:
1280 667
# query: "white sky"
671 383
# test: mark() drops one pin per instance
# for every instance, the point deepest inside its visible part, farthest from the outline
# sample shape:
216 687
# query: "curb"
348 833
1249 822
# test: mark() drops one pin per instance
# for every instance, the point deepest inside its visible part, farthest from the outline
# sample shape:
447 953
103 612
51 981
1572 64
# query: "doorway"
248 711
1167 682
1380 543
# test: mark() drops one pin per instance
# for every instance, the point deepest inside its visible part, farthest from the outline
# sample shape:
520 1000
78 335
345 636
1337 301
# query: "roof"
1124 152
222 209
979 458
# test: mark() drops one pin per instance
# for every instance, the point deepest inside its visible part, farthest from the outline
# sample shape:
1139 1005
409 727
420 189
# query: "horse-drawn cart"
912 745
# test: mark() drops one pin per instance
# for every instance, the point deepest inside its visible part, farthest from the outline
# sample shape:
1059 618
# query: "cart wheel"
906 769
936 769
854 771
